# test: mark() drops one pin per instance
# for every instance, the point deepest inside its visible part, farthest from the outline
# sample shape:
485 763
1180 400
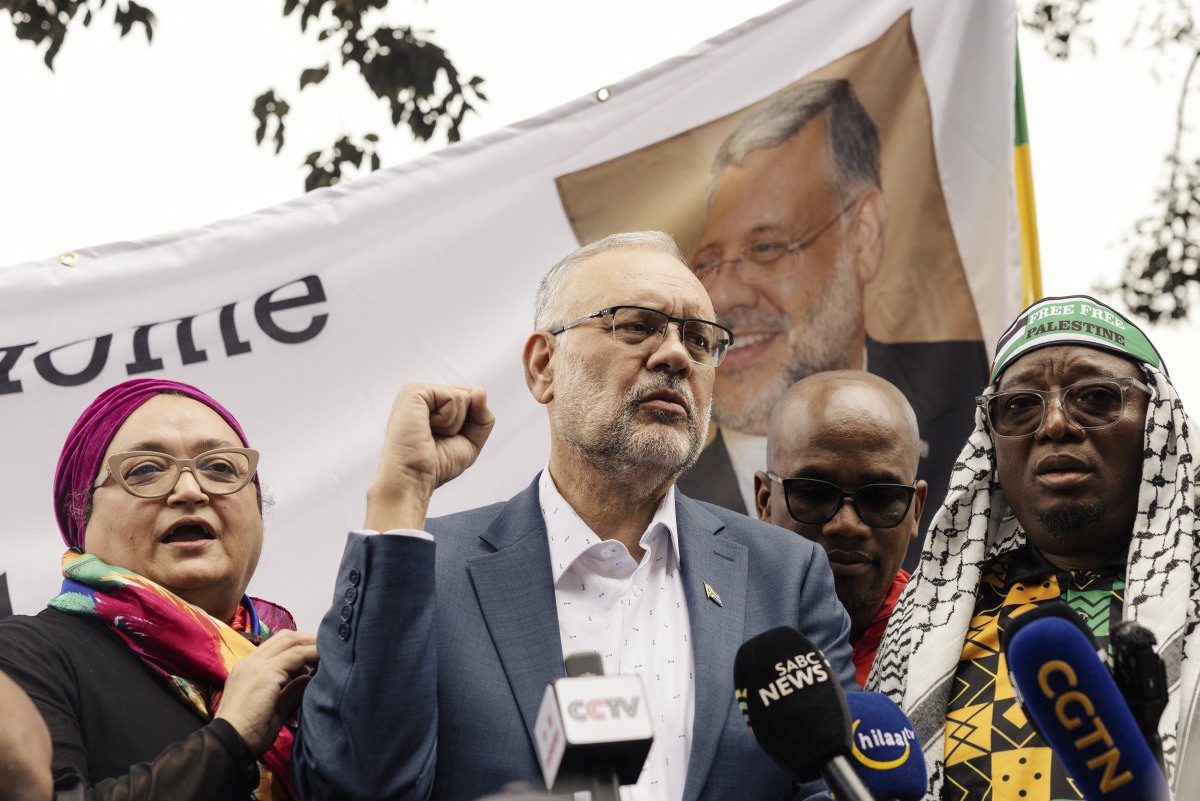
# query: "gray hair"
851 142
546 303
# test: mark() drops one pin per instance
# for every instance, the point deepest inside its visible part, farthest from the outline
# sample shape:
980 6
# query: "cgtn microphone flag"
305 318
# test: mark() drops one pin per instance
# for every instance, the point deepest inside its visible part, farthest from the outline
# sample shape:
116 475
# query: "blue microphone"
885 752
1071 697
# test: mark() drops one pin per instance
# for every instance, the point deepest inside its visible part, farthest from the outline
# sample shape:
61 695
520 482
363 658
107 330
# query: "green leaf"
266 106
262 105
313 75
134 14
279 133
56 42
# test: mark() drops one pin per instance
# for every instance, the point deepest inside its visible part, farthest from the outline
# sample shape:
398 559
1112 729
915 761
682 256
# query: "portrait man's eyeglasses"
645 329
812 501
150 474
1088 404
761 261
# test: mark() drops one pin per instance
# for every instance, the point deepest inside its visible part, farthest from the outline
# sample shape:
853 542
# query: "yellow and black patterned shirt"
992 750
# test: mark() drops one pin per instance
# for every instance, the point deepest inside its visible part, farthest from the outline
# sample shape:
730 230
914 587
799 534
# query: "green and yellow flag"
1031 265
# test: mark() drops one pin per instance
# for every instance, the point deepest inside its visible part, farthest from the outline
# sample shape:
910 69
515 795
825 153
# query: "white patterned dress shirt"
635 616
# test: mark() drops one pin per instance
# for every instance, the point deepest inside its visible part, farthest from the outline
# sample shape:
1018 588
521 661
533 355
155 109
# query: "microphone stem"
606 788
844 782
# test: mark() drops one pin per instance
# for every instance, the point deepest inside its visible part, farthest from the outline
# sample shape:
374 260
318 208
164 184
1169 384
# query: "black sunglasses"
812 501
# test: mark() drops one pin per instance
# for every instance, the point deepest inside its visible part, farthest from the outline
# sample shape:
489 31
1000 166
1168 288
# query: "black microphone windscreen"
1139 670
1141 676
790 696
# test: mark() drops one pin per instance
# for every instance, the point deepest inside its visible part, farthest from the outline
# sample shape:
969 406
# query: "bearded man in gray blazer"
444 633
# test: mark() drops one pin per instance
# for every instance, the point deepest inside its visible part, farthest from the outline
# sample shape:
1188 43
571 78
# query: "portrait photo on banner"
817 221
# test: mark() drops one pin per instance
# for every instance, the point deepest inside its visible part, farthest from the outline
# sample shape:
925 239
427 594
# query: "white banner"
305 319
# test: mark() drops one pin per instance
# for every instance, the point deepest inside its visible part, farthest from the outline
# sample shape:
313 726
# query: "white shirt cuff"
401 532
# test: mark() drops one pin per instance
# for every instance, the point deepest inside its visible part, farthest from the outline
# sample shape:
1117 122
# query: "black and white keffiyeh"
921 650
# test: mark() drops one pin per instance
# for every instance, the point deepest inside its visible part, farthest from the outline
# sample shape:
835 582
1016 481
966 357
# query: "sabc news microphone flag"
305 318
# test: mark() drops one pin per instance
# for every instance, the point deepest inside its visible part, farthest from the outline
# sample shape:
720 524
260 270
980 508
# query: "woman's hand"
264 689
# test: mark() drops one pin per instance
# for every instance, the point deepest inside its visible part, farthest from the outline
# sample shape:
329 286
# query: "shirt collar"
569 537
1029 562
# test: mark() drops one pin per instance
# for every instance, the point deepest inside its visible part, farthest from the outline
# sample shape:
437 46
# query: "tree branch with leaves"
422 86
1161 279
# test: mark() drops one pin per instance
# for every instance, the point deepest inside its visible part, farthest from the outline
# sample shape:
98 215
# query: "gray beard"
624 452
615 445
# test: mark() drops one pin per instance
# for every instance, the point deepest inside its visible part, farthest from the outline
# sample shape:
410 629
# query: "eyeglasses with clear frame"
639 328
1091 404
814 502
150 474
760 261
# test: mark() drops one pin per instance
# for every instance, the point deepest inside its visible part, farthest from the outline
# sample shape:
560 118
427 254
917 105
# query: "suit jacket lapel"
717 628
515 589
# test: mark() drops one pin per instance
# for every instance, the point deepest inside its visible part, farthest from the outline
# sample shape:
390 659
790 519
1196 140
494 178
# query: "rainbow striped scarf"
191 651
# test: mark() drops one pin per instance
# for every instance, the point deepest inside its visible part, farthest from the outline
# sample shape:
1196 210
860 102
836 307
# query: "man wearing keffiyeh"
1085 496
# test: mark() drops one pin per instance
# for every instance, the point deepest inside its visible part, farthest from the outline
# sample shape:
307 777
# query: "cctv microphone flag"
592 726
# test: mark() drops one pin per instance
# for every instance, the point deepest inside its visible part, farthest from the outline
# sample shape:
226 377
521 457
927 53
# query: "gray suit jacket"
431 689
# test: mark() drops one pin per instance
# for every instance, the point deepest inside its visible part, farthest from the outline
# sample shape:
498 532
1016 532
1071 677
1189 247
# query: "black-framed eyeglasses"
813 501
150 474
640 328
760 261
1091 404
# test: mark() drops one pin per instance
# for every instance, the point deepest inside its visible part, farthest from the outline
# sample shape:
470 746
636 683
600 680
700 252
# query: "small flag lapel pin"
712 594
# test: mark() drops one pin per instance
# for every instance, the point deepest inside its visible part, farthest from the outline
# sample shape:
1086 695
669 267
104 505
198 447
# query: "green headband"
1073 320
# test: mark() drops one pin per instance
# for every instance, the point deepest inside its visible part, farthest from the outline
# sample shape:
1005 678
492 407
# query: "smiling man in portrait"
793 237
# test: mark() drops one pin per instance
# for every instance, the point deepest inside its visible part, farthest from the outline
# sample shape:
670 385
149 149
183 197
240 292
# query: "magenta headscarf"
79 462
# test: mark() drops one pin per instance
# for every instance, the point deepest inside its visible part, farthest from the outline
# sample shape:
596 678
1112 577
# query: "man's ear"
539 376
918 507
866 234
762 496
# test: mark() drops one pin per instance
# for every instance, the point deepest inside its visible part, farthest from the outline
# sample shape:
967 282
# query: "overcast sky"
126 140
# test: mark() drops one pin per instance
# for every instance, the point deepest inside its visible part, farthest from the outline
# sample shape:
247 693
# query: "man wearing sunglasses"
445 633
842 454
1078 486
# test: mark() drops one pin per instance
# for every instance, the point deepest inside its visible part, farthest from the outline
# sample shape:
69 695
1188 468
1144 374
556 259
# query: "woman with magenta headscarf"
158 677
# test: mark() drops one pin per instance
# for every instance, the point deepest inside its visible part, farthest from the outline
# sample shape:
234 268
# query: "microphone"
789 694
1142 677
592 731
1067 691
885 751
